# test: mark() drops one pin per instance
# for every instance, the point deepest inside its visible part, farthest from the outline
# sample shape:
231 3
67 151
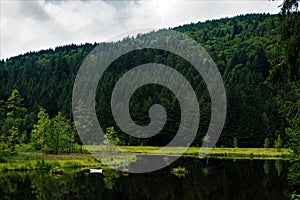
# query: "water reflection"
110 177
221 179
278 166
267 167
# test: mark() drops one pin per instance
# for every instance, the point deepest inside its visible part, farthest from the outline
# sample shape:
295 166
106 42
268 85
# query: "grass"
229 153
38 161
251 153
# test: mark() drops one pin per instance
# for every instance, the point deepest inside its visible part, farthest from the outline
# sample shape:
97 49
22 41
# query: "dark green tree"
11 127
287 70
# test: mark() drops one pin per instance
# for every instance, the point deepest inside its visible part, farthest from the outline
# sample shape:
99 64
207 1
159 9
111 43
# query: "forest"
258 57
36 89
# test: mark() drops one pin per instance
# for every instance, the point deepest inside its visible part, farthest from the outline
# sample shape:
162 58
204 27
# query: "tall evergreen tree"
40 129
287 70
15 111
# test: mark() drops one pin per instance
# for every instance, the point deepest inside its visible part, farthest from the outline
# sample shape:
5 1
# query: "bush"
5 156
266 143
24 148
278 143
235 142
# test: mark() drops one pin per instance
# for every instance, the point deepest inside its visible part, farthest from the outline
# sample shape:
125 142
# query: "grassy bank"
251 153
229 153
39 161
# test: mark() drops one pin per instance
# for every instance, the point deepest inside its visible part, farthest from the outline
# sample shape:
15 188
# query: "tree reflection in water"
227 179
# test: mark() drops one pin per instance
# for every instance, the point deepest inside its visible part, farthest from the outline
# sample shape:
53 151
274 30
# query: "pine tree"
13 137
14 106
278 143
15 111
235 142
40 128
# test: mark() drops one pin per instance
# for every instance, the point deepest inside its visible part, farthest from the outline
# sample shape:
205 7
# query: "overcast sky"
41 24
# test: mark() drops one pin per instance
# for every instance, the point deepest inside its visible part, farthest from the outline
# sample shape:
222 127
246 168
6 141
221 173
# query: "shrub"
266 143
278 143
235 142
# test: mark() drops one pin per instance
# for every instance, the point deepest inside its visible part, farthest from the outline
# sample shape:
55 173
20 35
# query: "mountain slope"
242 47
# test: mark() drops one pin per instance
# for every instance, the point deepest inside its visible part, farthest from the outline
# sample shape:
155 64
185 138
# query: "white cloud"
34 25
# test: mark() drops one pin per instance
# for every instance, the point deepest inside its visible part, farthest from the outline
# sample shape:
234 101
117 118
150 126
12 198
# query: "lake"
217 179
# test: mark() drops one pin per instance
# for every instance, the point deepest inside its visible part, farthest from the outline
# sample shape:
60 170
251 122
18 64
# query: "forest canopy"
243 48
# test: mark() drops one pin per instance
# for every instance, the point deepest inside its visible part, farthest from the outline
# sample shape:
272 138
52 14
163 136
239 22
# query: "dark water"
221 179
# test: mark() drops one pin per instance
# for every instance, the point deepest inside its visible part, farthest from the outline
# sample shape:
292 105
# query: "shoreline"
24 161
218 152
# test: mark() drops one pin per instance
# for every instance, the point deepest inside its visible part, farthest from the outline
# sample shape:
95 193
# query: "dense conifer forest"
36 88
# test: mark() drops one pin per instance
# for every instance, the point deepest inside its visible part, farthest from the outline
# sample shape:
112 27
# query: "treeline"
17 133
243 48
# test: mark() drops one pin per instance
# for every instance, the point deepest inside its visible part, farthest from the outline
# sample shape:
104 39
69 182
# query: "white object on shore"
96 171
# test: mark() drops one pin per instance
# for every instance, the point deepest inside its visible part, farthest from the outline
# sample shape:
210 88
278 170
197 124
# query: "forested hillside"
243 48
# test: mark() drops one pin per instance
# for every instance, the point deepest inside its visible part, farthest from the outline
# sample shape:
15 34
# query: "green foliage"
278 167
294 136
59 136
266 167
286 66
267 143
4 157
112 136
52 135
55 135
290 109
294 175
110 177
286 70
2 110
12 123
242 48
206 140
40 129
14 105
278 143
13 138
295 196
235 142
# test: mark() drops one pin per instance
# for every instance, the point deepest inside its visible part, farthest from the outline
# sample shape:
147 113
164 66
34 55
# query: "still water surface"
220 179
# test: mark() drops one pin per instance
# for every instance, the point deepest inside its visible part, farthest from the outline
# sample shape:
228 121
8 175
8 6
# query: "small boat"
96 171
